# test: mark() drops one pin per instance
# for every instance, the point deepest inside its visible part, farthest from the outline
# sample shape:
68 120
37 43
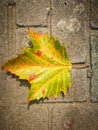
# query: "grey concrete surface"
69 26
94 13
68 21
94 62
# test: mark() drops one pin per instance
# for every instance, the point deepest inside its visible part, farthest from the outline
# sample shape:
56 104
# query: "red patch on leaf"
43 91
32 77
39 53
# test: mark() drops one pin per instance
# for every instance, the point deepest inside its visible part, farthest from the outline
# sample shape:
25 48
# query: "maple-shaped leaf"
46 67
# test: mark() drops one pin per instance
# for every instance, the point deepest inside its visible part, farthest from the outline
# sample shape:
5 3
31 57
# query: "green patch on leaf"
46 66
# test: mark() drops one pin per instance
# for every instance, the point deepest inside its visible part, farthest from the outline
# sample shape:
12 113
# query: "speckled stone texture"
3 29
69 26
94 62
75 117
94 13
17 117
32 12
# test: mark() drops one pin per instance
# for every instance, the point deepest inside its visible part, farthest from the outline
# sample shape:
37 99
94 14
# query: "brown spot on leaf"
43 91
52 58
39 53
32 77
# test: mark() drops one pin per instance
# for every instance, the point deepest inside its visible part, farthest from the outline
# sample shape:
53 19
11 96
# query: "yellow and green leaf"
46 66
